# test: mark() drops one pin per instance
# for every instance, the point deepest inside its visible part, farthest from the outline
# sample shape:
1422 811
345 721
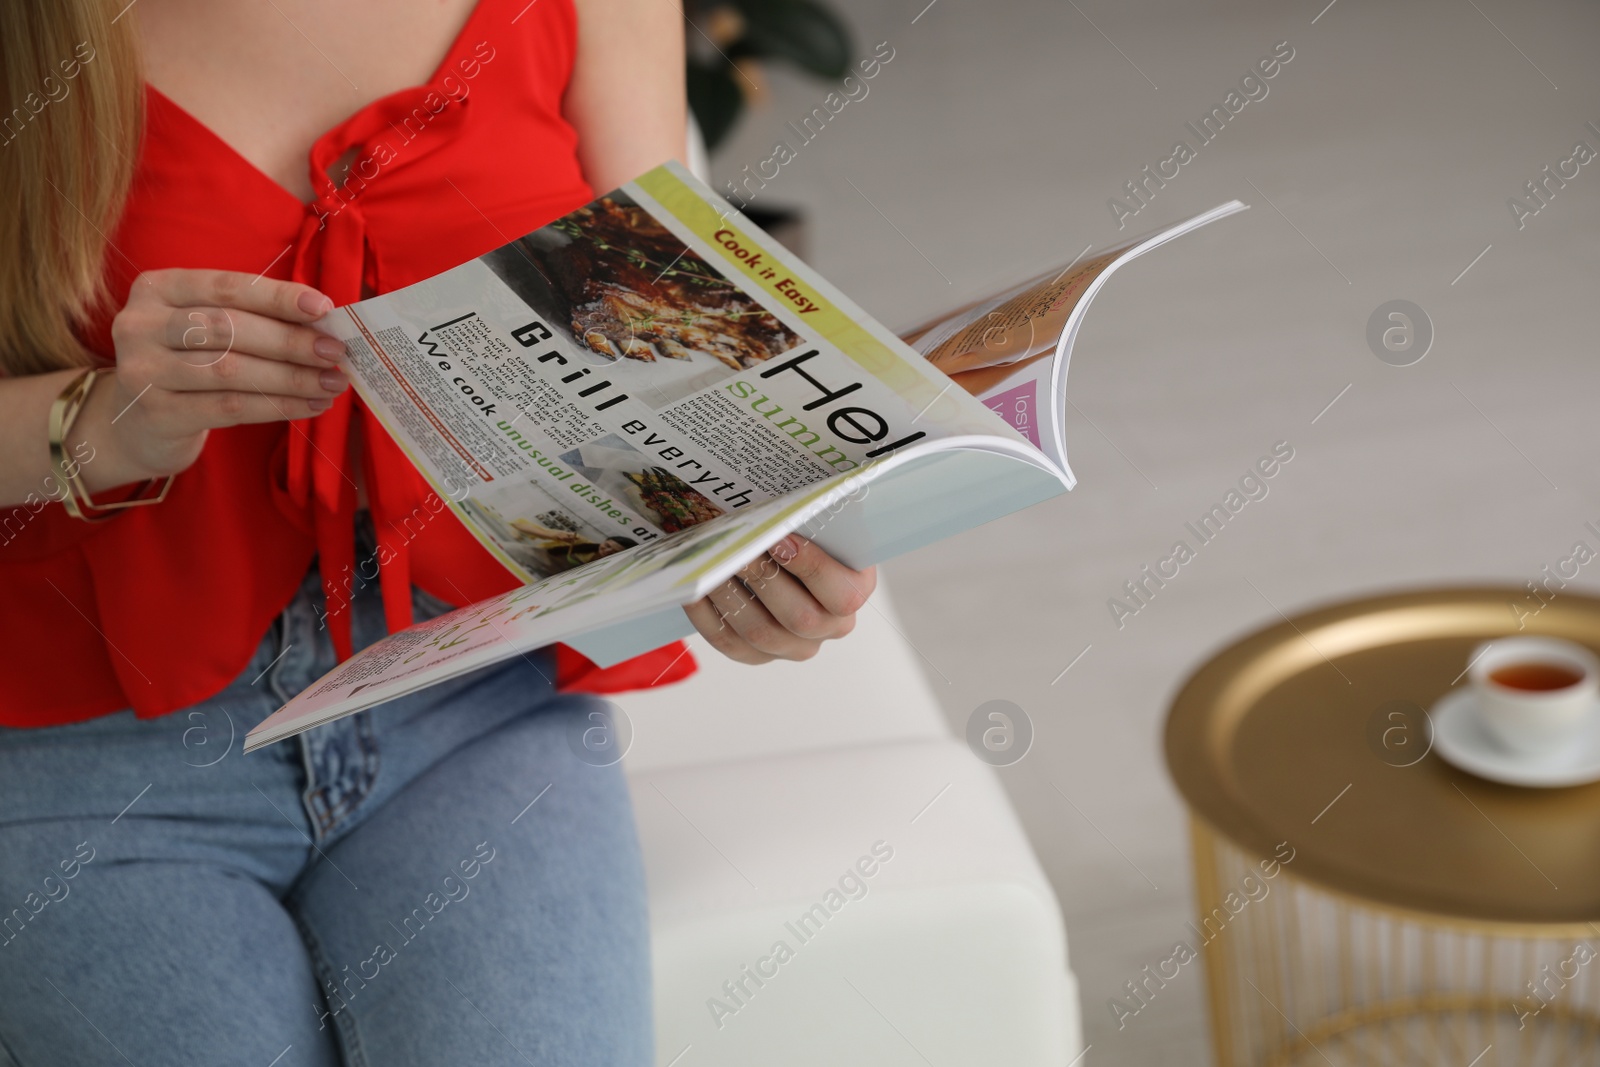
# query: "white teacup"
1521 696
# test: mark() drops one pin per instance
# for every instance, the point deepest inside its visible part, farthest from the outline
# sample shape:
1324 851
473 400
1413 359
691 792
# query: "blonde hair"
70 77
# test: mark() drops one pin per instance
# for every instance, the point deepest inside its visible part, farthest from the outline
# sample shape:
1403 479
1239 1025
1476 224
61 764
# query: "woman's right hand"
202 349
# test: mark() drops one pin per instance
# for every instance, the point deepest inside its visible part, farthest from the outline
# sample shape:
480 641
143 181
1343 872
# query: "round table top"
1300 733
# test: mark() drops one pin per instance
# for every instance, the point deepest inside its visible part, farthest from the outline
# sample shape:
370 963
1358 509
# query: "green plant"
729 41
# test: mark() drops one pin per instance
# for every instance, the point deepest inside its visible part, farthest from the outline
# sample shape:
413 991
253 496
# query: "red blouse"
163 606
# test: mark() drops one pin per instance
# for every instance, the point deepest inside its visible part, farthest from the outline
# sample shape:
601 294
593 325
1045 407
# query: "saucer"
1462 740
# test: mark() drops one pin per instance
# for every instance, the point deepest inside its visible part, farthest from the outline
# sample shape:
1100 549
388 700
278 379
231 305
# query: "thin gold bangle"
79 504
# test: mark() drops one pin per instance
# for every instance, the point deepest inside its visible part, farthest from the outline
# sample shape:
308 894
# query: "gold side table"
1360 900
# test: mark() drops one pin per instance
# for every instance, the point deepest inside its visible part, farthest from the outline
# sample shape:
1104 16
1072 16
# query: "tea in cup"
1535 694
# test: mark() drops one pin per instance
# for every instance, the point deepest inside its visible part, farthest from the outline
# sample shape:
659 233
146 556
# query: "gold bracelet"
79 504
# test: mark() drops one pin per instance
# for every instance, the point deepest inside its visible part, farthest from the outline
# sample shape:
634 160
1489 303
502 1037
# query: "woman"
449 878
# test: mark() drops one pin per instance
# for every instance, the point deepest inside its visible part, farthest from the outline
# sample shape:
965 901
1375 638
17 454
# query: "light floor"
1379 167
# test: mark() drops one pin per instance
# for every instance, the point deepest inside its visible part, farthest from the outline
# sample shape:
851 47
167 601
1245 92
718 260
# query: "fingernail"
333 381
314 304
319 405
785 550
329 348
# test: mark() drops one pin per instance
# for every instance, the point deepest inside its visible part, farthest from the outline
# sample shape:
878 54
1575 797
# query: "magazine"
628 405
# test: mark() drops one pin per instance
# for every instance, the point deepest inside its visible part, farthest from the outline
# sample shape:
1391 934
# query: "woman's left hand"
783 605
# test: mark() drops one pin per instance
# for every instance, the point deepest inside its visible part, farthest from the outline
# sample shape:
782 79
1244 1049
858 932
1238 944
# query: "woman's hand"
783 605
202 349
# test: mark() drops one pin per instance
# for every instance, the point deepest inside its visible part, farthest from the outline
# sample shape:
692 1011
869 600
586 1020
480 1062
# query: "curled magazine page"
996 349
1018 325
645 364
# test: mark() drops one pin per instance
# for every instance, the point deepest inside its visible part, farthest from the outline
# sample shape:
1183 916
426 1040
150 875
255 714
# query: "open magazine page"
925 492
670 571
645 364
522 620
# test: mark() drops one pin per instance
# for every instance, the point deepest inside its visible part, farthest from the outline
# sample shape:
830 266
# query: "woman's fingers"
224 368
722 637
791 603
190 349
200 350
783 605
181 414
838 589
242 373
749 617
239 371
200 337
236 409
289 301
203 349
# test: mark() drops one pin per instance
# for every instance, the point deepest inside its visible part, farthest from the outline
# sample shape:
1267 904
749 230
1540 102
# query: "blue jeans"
452 877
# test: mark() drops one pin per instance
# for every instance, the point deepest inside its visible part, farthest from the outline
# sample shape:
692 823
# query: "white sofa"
759 790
